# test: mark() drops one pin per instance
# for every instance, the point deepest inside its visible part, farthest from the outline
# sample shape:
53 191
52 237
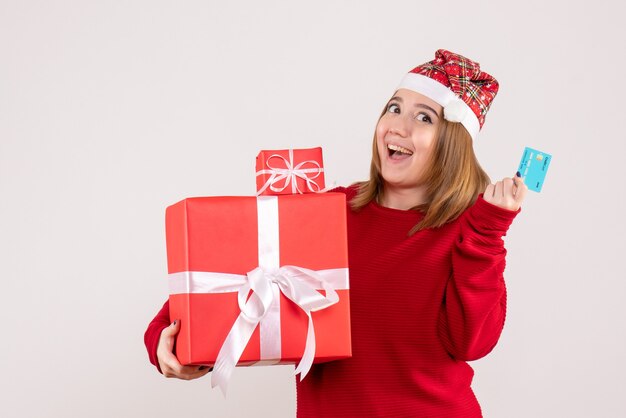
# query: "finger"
519 183
172 329
508 186
192 372
520 194
518 180
169 334
204 371
169 359
196 370
170 367
498 189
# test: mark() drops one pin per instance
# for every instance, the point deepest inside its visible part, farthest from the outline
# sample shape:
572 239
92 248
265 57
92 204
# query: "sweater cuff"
487 217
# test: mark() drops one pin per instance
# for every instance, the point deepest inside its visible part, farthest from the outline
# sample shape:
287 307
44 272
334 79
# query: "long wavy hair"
453 176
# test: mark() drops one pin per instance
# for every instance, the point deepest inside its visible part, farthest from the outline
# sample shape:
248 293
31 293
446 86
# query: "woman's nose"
399 127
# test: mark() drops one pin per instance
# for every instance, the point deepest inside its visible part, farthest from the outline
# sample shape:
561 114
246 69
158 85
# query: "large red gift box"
225 237
289 171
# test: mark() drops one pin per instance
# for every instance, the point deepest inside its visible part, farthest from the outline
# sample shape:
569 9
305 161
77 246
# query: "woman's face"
404 136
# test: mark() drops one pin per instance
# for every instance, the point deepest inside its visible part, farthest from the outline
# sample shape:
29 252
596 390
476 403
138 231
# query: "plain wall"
111 111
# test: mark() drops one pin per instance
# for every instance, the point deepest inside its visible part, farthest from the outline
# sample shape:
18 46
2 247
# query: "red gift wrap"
291 171
231 237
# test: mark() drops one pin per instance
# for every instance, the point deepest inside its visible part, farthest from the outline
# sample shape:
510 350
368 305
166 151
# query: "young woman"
426 259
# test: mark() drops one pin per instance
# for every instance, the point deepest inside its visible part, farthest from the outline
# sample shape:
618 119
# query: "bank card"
533 168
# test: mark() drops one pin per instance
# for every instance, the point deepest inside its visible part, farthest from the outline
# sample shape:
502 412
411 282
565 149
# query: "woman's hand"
508 193
170 367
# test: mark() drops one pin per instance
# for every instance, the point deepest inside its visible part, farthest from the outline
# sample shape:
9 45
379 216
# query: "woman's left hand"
508 193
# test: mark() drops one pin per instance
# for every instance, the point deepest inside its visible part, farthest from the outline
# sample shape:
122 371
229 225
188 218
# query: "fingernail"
518 174
174 323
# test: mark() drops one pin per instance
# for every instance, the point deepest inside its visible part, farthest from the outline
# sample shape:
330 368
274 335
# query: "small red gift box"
292 171
236 260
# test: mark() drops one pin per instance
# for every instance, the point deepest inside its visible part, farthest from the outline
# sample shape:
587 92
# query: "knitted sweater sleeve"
153 333
474 308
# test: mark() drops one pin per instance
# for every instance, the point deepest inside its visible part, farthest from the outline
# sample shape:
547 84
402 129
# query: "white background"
110 111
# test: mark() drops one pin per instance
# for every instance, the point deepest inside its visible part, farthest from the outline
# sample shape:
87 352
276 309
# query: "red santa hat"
458 85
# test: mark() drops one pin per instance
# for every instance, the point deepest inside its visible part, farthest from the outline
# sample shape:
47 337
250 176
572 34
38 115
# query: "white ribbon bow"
290 174
299 285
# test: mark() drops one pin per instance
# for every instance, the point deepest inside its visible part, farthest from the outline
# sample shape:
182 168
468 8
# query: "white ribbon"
290 174
298 284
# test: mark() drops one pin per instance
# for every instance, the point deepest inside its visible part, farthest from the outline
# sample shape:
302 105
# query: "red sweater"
421 306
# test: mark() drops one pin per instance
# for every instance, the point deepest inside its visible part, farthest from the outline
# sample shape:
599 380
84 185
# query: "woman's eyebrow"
422 105
427 108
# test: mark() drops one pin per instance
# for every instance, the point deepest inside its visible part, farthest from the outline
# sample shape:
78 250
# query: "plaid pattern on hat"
463 76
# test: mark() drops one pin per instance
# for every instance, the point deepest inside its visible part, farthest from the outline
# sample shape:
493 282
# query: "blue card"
533 168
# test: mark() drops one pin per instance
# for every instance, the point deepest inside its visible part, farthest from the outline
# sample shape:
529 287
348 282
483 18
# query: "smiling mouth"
398 152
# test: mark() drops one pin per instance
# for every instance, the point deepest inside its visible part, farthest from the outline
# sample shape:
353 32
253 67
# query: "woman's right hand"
170 367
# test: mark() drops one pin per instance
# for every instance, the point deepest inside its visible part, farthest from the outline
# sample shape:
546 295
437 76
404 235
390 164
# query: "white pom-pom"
455 111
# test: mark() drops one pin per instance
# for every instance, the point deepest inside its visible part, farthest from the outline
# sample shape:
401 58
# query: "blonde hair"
453 176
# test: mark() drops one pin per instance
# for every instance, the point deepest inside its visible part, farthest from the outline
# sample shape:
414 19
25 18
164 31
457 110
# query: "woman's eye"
393 108
422 117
